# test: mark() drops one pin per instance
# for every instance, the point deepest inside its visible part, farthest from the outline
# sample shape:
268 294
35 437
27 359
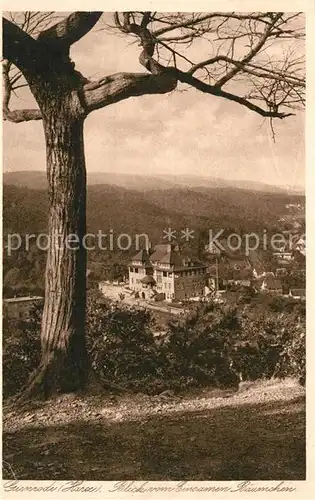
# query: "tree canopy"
255 59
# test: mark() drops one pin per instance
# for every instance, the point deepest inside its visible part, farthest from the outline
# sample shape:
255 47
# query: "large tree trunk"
64 363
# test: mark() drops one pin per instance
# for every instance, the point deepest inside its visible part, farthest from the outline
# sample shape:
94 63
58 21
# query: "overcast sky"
178 133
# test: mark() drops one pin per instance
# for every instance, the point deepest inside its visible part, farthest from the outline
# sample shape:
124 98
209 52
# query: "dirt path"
256 433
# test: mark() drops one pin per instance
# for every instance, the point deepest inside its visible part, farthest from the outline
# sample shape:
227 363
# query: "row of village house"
165 274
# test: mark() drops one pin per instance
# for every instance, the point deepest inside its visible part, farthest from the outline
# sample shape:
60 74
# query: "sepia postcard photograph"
154 207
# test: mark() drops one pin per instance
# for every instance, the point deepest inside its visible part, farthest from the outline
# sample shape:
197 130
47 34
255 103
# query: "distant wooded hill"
37 180
135 212
125 210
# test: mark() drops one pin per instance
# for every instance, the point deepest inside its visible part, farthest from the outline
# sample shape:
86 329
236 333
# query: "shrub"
21 352
271 345
292 360
198 348
210 346
248 293
256 351
122 347
281 304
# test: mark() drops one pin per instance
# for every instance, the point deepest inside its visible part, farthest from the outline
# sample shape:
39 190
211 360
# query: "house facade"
166 274
20 308
140 269
298 293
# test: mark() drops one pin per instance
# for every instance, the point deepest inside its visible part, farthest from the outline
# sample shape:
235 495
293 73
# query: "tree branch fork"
27 53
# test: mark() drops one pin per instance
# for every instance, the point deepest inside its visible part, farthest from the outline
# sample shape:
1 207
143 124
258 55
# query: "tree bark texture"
64 364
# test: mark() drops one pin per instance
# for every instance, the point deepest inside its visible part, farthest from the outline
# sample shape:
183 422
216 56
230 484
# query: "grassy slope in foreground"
257 433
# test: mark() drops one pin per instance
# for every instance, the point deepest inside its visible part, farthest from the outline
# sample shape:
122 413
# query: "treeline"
133 212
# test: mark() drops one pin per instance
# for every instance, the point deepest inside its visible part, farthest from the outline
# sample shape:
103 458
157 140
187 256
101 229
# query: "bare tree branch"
19 47
254 50
22 115
272 24
30 55
120 86
147 40
257 81
252 69
32 23
192 21
15 116
217 91
71 29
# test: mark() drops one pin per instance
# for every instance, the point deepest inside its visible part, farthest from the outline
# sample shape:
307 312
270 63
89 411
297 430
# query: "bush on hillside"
271 346
292 360
122 347
209 346
21 352
198 348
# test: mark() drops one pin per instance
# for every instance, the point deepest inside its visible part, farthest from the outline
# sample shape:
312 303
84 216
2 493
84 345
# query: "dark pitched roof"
159 252
173 259
142 256
161 249
167 258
